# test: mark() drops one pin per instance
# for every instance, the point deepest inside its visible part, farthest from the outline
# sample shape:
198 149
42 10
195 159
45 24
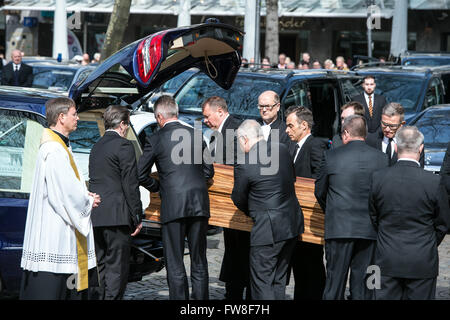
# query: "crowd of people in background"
285 62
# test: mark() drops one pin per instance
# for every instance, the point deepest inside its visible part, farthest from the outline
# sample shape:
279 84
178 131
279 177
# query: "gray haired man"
410 212
392 119
268 197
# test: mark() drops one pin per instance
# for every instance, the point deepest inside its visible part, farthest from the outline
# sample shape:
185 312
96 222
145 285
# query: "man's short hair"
394 109
166 106
114 115
215 102
250 129
302 113
54 107
357 107
368 77
356 126
409 139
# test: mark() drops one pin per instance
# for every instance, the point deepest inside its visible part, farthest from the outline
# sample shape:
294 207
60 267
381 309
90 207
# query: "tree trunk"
116 28
272 43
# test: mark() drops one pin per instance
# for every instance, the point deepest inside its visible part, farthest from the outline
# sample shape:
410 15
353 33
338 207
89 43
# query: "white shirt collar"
408 159
16 66
113 131
221 125
170 121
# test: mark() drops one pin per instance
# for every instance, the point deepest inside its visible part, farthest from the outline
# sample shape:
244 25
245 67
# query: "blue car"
415 88
124 78
434 123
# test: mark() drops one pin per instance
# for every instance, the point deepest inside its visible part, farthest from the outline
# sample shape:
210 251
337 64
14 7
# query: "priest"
58 247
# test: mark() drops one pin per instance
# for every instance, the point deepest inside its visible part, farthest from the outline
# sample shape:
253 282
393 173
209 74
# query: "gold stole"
82 281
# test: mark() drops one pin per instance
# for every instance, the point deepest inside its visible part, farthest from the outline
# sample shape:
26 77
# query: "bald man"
17 73
269 107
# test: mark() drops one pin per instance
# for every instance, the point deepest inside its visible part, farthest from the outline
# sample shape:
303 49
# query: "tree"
272 42
116 28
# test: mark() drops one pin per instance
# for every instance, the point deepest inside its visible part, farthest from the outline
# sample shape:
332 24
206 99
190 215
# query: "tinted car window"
435 126
19 144
427 62
402 89
52 78
172 85
242 97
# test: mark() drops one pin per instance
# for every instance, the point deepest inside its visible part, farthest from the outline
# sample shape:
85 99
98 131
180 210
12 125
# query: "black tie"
389 150
16 76
212 145
295 152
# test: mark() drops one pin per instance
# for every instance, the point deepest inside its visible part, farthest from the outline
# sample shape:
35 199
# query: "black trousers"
309 271
235 270
112 248
406 289
269 266
342 255
173 235
53 286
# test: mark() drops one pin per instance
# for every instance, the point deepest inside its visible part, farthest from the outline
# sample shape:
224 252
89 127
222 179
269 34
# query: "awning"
287 8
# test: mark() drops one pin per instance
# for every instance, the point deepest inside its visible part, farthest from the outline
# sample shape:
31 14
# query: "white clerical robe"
59 204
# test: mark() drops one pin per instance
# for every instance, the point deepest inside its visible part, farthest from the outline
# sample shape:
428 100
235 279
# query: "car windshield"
399 88
241 98
428 62
435 126
49 78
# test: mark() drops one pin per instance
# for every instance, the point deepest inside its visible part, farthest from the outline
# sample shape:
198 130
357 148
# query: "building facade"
325 29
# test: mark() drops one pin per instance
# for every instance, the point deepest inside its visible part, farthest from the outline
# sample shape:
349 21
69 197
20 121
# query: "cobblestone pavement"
154 286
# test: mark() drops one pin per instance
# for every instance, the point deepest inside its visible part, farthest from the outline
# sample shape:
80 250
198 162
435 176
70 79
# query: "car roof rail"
374 64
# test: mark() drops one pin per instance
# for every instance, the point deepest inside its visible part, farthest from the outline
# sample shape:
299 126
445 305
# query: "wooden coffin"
225 214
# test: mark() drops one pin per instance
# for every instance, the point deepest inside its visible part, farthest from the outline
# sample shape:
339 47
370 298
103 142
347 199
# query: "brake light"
148 56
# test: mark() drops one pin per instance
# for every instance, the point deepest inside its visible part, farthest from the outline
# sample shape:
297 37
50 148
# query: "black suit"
184 203
227 147
307 259
113 176
375 140
409 208
270 200
235 264
23 77
283 137
374 122
342 191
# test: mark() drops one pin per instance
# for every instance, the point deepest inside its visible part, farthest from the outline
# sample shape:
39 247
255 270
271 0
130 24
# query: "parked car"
434 123
124 78
58 75
323 91
415 88
425 59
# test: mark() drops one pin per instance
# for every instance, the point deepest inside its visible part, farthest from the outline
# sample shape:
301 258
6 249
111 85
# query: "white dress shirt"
300 145
384 145
366 96
266 130
408 159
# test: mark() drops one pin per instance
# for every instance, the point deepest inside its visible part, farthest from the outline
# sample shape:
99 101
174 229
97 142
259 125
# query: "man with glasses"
373 103
392 119
269 106
113 175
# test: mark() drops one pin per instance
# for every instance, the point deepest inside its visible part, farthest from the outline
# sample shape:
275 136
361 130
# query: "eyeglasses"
391 126
268 107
